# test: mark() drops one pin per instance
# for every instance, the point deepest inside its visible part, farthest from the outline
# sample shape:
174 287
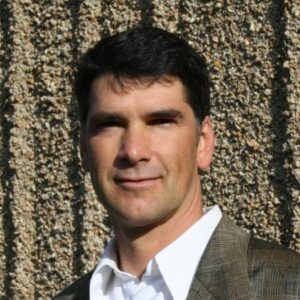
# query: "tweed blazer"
234 266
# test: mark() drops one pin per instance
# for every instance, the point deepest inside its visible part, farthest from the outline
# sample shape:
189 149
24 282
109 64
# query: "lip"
136 183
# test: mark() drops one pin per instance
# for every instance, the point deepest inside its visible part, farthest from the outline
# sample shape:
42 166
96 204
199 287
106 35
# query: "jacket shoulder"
274 270
79 289
270 253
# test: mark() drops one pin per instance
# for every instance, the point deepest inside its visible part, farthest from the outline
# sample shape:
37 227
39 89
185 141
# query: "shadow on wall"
7 173
146 8
74 174
283 180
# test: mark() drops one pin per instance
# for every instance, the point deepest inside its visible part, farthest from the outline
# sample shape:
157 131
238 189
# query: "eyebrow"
166 113
161 113
103 116
171 113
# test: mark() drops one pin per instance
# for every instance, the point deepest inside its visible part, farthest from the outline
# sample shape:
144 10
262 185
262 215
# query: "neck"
136 246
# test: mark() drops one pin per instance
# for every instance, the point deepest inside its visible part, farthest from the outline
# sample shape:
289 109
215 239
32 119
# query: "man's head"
147 54
144 101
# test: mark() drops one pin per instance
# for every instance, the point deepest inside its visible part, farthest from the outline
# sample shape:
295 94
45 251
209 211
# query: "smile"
136 183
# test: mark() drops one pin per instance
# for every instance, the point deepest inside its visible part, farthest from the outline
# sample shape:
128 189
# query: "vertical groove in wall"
146 8
292 17
74 165
181 11
20 282
279 107
6 172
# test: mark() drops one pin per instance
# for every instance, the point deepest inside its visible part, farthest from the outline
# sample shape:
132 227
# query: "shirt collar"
176 259
104 268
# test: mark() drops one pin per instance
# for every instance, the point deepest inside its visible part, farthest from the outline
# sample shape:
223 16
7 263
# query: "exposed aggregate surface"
53 228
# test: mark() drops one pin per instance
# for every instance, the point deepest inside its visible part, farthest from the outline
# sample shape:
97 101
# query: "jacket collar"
222 272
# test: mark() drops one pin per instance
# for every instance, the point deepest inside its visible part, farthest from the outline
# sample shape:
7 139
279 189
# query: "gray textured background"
52 227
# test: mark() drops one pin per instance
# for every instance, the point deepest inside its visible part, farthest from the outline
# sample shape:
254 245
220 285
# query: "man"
146 134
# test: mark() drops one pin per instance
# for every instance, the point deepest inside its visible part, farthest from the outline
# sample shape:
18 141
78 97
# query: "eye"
105 125
161 121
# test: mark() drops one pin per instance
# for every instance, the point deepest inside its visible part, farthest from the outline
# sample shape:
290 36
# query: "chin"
139 221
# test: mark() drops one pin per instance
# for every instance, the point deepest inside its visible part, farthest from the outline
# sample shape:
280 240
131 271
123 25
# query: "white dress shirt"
167 276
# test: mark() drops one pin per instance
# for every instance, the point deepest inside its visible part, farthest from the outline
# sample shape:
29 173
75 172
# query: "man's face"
141 148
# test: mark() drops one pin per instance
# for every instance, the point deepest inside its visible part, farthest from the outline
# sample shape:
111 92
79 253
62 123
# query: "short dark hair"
145 53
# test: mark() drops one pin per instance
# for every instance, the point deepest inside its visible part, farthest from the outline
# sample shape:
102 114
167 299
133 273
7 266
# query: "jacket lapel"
222 272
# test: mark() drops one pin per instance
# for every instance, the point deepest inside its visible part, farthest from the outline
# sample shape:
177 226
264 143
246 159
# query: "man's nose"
135 145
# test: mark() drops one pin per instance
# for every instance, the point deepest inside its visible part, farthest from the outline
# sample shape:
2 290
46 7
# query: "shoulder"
270 254
78 290
273 269
275 254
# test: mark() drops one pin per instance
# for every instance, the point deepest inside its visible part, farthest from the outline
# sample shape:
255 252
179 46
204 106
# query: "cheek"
102 147
100 154
179 151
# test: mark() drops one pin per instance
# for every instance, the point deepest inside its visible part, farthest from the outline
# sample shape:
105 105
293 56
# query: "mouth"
136 183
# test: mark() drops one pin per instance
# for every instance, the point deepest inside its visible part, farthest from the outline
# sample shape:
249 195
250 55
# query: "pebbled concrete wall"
52 226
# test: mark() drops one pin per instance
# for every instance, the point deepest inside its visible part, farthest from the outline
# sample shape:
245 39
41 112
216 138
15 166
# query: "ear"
84 151
206 144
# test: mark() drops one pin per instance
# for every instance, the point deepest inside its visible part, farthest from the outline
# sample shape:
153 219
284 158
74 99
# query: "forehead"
106 89
121 85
